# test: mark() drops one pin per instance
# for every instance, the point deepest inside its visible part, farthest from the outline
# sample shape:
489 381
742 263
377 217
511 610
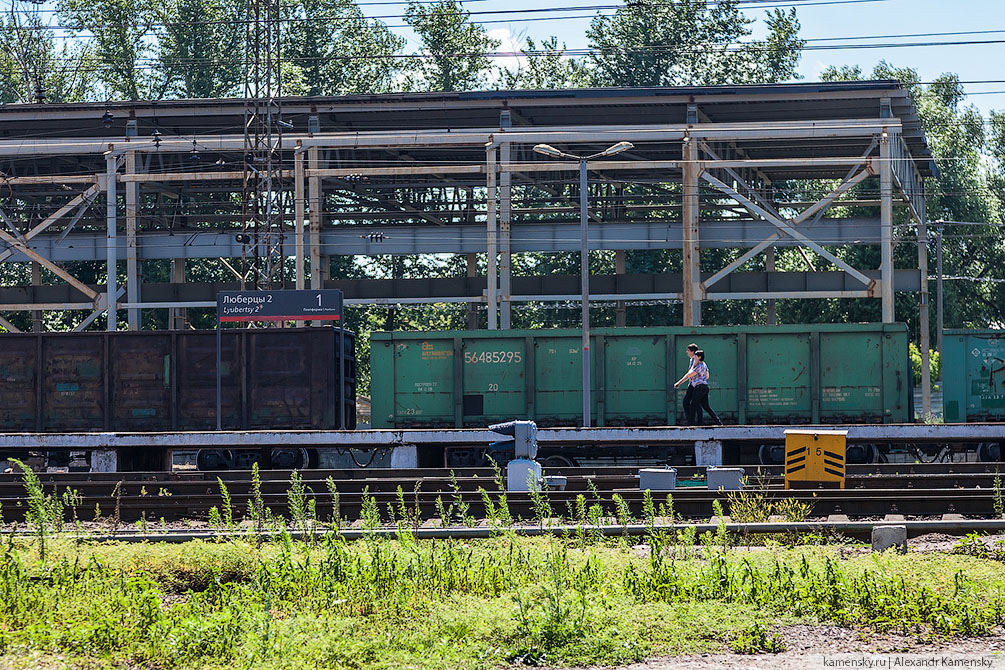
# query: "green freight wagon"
973 372
759 374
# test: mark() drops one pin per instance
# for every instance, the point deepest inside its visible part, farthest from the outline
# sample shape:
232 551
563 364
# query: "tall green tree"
963 190
33 68
122 44
339 51
454 49
690 42
201 50
545 66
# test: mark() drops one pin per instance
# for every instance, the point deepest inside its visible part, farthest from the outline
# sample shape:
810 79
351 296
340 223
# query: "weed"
257 511
370 512
463 508
792 510
621 509
215 521
443 512
228 510
45 512
749 506
490 508
756 506
721 536
879 599
336 517
755 640
666 509
505 517
973 544
403 523
999 502
117 515
553 618
301 515
649 511
539 500
72 499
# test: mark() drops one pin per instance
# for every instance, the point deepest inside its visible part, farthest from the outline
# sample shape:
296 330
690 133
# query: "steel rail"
859 529
130 505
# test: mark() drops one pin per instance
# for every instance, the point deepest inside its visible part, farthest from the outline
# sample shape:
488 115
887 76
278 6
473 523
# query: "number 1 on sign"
319 299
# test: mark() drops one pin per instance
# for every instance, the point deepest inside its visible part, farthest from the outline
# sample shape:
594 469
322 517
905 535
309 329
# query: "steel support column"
314 193
769 266
177 315
298 223
505 249
490 238
36 315
886 227
940 319
472 271
620 317
111 281
926 373
298 215
691 256
132 263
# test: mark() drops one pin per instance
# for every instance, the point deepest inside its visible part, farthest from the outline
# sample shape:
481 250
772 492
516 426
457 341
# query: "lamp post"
584 250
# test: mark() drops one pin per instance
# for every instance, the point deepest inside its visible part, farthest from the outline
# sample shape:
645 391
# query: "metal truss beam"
457 239
564 288
765 130
82 200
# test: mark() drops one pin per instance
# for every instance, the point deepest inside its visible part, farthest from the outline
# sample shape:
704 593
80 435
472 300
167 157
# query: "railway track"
919 490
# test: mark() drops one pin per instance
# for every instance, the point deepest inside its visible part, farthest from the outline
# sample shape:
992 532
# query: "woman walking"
697 378
688 402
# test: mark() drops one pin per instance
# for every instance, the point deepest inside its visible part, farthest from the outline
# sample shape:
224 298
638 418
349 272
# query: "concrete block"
724 479
707 453
884 537
837 518
521 473
406 456
894 518
104 460
556 482
657 479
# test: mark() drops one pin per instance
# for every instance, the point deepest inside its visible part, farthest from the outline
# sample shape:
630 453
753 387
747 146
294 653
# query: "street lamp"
584 271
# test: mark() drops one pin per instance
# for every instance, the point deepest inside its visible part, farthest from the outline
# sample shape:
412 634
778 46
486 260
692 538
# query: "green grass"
475 604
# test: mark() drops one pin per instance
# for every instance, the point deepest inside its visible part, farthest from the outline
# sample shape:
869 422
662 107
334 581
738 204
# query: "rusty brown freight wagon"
166 381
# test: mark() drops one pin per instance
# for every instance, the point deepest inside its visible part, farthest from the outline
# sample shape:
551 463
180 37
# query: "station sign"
317 305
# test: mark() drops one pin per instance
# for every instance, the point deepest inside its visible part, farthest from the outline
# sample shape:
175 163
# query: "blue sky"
845 20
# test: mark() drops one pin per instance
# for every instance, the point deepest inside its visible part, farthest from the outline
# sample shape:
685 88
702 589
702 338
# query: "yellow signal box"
816 456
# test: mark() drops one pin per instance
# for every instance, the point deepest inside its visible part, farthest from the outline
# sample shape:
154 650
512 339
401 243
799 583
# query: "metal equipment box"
724 479
816 456
657 479
973 364
821 373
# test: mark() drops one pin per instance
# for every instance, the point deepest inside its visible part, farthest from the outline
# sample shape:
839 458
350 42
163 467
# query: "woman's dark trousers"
700 402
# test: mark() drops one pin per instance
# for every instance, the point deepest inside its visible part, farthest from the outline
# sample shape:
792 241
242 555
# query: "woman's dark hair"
692 347
700 354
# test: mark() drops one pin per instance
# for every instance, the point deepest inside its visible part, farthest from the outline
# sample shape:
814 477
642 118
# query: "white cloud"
509 42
